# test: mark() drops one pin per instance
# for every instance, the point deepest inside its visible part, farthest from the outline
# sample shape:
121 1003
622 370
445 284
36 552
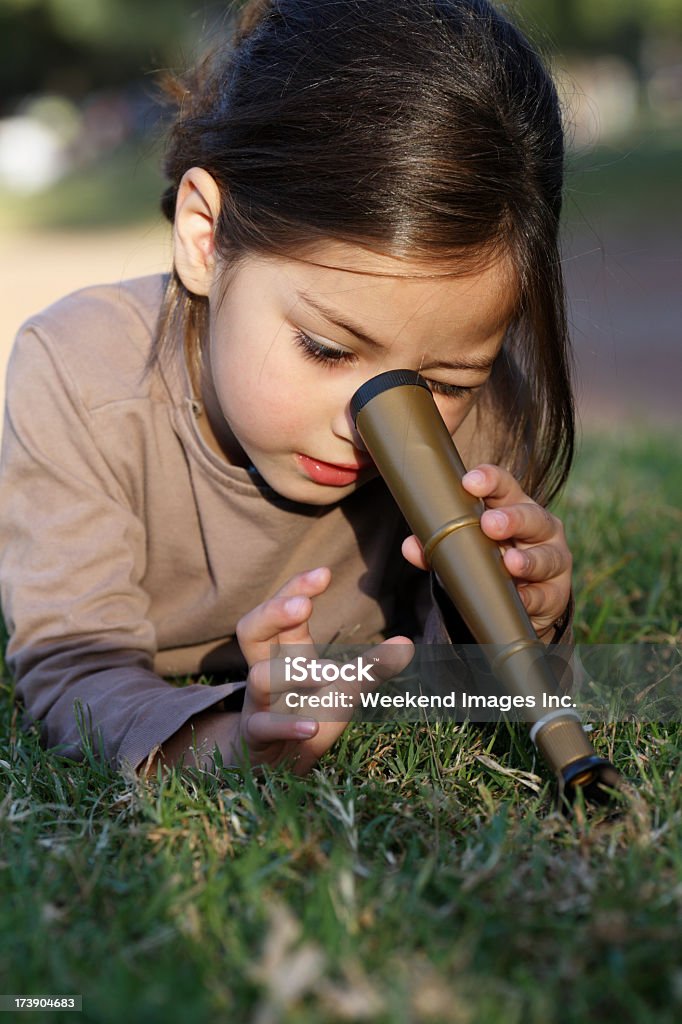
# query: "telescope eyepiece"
383 382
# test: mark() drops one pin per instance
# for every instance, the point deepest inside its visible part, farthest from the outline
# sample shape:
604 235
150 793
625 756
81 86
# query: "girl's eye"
320 353
449 390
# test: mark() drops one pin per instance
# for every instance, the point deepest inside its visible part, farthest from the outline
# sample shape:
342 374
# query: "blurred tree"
598 26
74 46
119 23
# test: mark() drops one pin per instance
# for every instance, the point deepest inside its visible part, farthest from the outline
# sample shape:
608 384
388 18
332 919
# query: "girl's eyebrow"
345 325
338 321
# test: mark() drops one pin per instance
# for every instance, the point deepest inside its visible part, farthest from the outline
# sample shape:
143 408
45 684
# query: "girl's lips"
330 473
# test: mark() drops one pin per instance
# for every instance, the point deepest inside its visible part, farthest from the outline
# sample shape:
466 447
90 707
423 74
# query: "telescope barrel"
404 433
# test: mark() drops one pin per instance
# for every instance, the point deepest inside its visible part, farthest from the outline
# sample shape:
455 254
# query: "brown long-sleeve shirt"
129 550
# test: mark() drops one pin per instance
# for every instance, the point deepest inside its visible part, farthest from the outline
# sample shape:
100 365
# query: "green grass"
419 875
623 516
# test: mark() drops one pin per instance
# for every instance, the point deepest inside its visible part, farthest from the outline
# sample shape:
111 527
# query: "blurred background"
81 144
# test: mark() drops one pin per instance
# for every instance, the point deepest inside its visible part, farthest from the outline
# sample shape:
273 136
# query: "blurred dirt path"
625 294
625 310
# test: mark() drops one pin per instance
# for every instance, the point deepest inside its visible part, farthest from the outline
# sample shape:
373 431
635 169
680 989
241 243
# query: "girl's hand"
272 737
536 553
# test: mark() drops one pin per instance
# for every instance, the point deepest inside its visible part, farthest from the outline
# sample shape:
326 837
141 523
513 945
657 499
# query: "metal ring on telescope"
512 648
445 530
549 717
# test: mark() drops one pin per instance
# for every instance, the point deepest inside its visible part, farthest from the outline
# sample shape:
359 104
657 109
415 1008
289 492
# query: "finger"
413 552
544 602
390 657
267 727
261 628
495 484
527 522
312 582
283 618
259 685
539 563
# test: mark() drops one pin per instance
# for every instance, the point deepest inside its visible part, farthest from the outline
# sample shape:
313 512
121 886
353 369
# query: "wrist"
193 744
562 631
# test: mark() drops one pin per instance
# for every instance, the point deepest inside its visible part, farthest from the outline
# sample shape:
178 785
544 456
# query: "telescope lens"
590 775
584 779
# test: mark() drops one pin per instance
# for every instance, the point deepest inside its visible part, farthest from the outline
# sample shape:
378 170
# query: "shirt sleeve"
72 558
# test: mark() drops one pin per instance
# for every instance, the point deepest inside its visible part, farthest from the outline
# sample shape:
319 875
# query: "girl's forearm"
193 744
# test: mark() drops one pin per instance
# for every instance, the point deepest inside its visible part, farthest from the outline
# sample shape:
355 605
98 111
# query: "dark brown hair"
423 129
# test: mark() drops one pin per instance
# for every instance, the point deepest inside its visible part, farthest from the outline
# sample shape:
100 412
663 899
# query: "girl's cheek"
453 412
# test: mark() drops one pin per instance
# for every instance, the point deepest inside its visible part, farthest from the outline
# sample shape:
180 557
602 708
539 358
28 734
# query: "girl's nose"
344 427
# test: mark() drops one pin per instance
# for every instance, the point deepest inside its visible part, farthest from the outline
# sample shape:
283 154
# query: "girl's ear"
196 214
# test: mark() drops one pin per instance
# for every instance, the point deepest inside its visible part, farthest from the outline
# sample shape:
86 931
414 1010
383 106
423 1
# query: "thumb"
413 552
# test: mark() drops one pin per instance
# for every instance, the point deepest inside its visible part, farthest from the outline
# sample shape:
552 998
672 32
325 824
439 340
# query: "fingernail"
295 605
474 477
315 574
499 519
306 728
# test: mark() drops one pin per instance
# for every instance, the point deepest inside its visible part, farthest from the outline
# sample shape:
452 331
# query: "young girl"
355 187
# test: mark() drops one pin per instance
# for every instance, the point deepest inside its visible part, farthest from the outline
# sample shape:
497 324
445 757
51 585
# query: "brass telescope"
403 431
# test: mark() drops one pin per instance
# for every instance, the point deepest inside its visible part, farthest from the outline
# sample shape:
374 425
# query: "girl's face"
292 340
